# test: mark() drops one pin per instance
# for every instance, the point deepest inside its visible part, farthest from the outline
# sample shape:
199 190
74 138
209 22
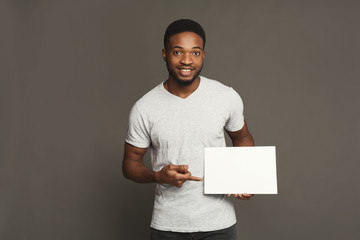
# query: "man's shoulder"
216 86
152 97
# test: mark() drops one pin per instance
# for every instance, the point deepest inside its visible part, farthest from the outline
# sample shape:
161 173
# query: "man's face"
184 57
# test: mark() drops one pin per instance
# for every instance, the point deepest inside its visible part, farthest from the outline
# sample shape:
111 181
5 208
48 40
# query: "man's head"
183 25
183 52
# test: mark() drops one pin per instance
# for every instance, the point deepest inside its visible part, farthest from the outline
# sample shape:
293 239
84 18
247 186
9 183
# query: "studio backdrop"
71 71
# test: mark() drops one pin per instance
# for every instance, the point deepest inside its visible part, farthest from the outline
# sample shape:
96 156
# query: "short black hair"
183 25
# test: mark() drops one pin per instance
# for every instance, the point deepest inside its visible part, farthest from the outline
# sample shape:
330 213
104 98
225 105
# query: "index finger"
193 178
187 176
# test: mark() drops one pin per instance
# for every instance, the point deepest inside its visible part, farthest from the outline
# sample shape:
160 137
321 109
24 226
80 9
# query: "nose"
186 59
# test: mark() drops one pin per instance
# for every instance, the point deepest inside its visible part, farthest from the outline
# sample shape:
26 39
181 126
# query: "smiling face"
184 57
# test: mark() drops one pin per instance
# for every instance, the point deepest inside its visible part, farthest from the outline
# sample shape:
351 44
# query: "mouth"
185 72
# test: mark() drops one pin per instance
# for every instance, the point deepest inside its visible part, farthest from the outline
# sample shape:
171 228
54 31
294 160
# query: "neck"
175 88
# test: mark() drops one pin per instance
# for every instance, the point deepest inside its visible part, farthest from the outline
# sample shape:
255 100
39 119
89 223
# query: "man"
177 120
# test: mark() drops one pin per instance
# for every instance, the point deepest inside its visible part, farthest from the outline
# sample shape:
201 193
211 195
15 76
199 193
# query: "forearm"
138 172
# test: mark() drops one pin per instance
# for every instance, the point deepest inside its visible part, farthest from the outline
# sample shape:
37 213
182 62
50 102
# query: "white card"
238 170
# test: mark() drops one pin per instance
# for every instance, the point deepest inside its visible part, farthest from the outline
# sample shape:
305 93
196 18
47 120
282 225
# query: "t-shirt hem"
136 144
235 129
176 229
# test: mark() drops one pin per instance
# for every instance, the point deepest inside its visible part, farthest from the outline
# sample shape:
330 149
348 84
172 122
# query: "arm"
242 138
134 169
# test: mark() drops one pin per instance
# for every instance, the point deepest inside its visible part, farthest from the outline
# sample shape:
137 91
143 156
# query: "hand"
243 196
175 175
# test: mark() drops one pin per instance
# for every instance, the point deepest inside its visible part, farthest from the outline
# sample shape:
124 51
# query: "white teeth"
185 70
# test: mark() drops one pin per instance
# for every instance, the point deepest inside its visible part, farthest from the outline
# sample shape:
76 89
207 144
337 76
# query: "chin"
185 82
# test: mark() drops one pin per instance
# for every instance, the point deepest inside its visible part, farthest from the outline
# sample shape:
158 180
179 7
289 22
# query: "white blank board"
240 170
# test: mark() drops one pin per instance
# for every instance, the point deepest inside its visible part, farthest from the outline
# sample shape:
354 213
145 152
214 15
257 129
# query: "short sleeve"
236 109
138 134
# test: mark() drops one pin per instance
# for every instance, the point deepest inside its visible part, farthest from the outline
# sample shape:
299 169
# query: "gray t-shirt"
177 131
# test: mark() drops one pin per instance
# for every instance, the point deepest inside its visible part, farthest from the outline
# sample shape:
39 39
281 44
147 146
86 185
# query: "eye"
177 52
196 53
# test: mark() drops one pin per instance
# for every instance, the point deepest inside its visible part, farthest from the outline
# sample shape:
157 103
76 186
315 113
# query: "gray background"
71 70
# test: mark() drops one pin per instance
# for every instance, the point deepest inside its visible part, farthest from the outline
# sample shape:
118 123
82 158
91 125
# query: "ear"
164 54
203 54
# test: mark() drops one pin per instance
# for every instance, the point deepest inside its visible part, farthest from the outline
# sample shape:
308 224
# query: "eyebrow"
183 48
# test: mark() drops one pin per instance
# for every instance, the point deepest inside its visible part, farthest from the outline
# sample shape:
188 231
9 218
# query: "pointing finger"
193 178
187 176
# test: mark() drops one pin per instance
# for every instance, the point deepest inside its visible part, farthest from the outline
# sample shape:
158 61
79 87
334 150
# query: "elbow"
125 171
125 174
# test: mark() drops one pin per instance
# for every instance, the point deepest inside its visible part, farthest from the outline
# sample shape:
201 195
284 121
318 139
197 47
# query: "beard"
183 82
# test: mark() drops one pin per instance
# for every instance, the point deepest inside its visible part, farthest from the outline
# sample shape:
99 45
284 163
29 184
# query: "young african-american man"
177 119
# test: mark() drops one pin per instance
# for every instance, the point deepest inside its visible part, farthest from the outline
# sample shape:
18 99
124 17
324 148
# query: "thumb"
180 168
